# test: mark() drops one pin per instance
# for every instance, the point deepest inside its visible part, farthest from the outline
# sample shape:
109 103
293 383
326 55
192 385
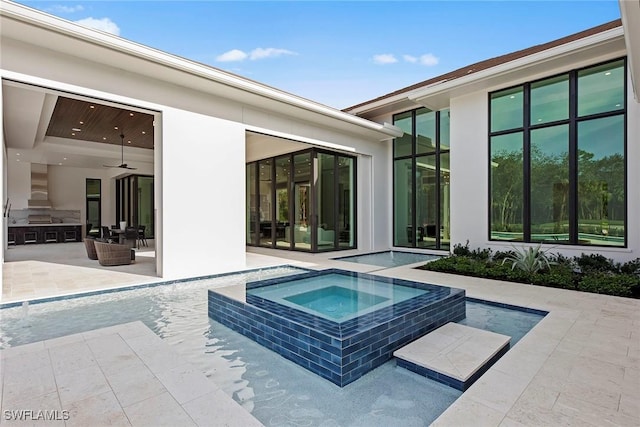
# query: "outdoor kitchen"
40 222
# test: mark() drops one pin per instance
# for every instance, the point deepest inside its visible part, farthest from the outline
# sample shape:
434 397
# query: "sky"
334 52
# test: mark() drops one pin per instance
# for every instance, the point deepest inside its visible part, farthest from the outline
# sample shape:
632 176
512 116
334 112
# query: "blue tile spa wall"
339 352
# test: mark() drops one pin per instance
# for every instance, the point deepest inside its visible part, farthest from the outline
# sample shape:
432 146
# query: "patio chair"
89 244
110 254
141 237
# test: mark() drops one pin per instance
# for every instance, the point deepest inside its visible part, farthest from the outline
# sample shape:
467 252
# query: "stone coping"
453 354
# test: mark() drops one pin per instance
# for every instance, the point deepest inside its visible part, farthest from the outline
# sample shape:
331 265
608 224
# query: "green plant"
624 285
631 267
530 260
596 262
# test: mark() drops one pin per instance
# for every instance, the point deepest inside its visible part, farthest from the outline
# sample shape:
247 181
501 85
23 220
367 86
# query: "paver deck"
124 375
453 354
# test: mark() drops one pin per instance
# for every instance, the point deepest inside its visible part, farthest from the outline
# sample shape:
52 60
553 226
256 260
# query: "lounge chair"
110 254
89 244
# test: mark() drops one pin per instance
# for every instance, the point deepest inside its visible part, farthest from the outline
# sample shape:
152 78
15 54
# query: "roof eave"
30 16
437 95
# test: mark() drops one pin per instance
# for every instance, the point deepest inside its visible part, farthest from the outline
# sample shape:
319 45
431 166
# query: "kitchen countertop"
59 224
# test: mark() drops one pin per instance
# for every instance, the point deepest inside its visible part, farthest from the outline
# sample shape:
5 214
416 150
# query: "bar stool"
30 237
51 237
11 238
70 236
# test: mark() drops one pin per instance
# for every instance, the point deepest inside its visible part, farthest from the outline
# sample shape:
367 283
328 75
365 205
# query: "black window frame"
572 121
313 172
413 157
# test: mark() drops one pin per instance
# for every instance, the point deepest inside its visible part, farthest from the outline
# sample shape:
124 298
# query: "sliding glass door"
302 201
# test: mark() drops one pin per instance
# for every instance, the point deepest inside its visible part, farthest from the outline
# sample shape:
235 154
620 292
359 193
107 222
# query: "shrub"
587 273
595 263
529 260
623 285
479 254
631 267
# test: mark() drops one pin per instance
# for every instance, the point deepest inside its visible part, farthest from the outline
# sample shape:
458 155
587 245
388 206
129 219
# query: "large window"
421 180
302 201
558 159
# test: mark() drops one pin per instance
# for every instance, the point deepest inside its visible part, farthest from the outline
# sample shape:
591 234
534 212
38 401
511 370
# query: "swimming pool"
275 390
300 318
388 259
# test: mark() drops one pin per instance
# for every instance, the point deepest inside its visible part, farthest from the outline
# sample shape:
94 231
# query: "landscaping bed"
587 273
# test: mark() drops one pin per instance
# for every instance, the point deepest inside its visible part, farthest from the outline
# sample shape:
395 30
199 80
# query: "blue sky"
337 53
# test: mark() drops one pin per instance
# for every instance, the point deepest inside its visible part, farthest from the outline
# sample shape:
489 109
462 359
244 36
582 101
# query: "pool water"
336 302
276 391
337 297
389 259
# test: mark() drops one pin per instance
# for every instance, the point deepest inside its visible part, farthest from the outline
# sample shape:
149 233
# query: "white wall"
203 194
469 177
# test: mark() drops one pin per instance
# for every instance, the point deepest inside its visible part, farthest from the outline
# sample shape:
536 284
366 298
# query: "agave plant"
529 260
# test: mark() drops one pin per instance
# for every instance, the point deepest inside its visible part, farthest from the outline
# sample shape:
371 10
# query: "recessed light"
91 106
76 130
73 134
608 73
17 160
64 158
512 96
59 164
144 133
104 138
81 122
131 114
17 154
539 120
129 142
115 127
617 105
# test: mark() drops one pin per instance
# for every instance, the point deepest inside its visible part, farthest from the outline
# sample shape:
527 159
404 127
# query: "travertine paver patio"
579 366
123 375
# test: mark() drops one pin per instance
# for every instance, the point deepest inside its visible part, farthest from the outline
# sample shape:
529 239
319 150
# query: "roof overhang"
630 15
607 44
34 27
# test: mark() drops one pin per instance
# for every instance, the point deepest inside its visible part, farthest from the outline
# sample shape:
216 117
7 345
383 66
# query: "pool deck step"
455 355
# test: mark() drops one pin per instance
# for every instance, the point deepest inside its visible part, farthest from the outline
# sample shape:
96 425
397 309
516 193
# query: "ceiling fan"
122 164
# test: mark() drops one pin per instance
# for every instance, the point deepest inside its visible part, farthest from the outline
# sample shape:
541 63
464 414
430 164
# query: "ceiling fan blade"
122 165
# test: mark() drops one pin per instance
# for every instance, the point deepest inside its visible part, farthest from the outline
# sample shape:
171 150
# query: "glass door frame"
294 183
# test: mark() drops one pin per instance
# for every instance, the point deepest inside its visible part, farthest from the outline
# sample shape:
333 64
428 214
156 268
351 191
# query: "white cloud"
429 60
384 58
255 54
232 55
66 9
102 24
270 52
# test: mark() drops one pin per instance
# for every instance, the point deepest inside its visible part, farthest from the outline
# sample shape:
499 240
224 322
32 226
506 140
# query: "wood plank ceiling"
90 121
